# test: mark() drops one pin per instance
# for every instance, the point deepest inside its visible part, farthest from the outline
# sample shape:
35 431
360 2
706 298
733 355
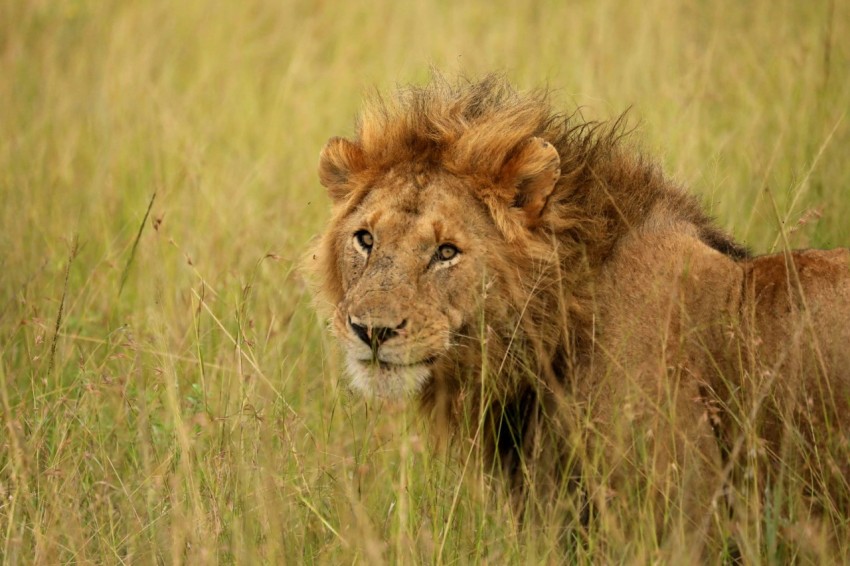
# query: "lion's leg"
655 457
689 472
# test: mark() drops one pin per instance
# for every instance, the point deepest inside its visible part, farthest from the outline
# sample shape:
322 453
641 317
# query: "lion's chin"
387 381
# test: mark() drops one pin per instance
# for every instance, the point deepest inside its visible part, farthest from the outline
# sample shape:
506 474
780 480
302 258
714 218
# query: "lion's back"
802 299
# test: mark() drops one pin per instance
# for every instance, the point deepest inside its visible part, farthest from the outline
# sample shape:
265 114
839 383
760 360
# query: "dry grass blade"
126 271
72 254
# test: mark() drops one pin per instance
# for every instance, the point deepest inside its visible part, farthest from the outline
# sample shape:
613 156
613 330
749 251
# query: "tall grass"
167 394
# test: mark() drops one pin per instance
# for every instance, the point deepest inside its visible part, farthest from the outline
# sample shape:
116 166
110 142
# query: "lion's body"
724 367
487 254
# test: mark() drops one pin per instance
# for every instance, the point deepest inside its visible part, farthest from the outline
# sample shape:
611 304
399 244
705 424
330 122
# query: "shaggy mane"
468 128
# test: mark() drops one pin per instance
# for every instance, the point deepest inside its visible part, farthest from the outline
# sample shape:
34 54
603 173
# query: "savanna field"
168 394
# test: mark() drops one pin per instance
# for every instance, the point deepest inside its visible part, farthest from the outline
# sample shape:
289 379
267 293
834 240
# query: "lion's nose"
374 336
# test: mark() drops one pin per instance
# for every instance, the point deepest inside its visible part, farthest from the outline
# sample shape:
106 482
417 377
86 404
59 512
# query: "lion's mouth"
384 365
389 379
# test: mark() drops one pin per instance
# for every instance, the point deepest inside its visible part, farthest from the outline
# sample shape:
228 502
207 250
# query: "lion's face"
408 254
412 261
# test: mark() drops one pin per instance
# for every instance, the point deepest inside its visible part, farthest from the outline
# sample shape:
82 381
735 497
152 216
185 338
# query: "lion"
534 274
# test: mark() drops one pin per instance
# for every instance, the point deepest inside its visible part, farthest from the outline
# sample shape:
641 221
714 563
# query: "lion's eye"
447 252
364 239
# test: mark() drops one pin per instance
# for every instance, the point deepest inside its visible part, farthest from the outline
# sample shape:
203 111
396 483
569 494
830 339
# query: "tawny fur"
604 306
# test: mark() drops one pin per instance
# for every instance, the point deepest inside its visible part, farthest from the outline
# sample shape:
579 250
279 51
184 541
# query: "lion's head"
436 201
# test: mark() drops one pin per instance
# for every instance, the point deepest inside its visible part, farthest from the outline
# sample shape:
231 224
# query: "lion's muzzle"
374 336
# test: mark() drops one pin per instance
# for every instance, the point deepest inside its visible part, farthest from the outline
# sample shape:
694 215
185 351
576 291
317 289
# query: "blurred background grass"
195 413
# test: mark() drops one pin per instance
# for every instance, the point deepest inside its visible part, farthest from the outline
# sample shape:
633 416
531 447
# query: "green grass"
167 393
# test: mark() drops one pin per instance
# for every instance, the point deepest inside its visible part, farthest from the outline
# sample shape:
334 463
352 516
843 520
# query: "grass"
167 394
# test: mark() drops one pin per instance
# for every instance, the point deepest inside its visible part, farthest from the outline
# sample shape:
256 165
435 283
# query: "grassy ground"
167 394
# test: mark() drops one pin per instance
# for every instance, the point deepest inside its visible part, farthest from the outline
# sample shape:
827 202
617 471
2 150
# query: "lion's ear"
533 170
339 159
